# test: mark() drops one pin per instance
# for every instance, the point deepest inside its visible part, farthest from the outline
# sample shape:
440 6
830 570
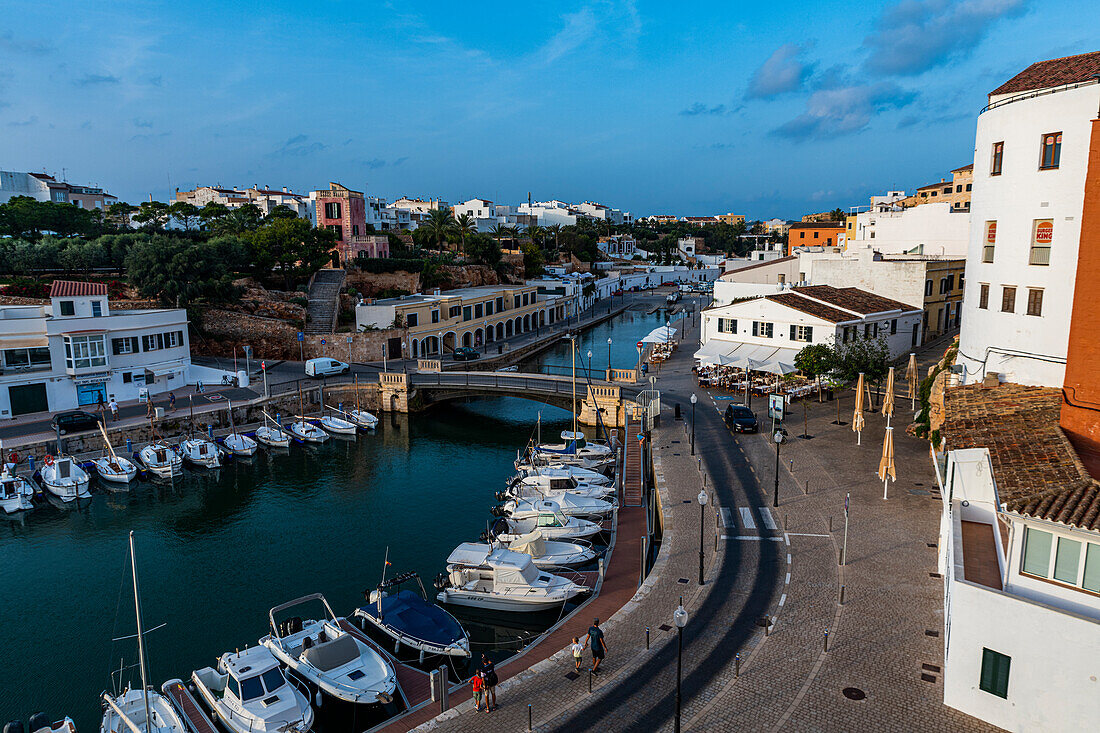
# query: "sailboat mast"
573 350
140 636
357 407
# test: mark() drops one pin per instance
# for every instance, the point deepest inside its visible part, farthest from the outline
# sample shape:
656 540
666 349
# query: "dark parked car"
75 421
465 353
740 419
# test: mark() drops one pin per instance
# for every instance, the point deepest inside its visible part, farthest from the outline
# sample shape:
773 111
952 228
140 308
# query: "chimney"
1080 418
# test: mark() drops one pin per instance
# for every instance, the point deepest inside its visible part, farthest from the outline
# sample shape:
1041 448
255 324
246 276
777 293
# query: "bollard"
826 640
30 463
129 446
210 430
792 466
830 523
806 490
767 627
529 717
278 419
641 568
589 682
647 638
737 664
842 595
784 522
704 480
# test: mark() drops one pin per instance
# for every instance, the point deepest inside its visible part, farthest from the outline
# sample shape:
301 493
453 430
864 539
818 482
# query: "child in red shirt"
478 685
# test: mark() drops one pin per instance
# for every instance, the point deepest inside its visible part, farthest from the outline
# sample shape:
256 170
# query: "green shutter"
1067 560
994 678
1037 552
794 332
1091 579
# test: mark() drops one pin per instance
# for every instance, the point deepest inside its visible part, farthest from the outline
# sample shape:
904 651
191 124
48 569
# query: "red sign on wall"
991 232
1044 232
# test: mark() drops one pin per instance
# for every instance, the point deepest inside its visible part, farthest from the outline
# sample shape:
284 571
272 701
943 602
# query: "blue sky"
767 109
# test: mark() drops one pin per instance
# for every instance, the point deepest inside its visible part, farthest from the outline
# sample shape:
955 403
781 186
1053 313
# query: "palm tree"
440 223
500 232
536 233
555 229
464 226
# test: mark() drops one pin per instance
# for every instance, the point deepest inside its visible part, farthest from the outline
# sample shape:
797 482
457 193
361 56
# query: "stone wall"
218 332
369 284
365 346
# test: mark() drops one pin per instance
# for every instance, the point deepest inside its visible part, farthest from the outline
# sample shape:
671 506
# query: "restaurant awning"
711 350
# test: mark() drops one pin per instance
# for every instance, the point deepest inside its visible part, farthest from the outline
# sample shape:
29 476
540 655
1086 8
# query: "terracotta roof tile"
854 299
1038 473
71 288
818 225
793 300
1052 73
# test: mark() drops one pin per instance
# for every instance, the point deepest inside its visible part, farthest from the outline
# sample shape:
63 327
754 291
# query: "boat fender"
49 459
39 721
317 698
13 726
374 595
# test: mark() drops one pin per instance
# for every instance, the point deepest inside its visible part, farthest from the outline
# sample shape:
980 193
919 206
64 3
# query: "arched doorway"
479 338
508 329
467 339
430 345
500 330
527 322
415 348
449 341
542 318
489 334
519 325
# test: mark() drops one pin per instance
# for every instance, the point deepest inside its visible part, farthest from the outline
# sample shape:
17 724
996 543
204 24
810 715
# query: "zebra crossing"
742 523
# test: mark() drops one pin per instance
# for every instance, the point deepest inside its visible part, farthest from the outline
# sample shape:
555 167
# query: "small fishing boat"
134 710
161 460
113 467
249 694
307 432
559 470
201 452
551 554
501 580
545 486
239 444
325 655
272 434
63 478
41 723
552 525
571 505
338 425
535 460
410 619
359 416
16 493
576 445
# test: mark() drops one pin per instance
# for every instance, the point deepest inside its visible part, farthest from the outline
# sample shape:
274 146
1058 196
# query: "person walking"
171 402
599 646
102 407
114 409
477 684
578 653
489 670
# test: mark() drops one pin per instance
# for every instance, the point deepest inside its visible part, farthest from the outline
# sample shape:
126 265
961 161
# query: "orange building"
815 234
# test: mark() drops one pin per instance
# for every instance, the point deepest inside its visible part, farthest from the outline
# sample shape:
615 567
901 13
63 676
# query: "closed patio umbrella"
857 414
886 470
911 378
888 399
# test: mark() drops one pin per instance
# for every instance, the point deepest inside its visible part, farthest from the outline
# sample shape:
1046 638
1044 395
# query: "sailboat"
160 459
273 436
199 451
236 443
113 467
304 430
337 425
144 710
359 416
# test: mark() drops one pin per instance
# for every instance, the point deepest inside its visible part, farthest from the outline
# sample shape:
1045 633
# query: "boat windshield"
251 688
549 520
273 679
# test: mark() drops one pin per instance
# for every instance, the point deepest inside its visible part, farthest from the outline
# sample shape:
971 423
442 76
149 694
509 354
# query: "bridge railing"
503 381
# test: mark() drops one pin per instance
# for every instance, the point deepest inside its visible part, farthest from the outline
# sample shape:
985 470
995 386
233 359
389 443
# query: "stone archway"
500 331
414 348
519 325
508 329
467 339
489 334
527 322
449 341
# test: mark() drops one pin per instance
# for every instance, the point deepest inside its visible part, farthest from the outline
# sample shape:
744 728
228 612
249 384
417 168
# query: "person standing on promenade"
578 653
114 409
476 684
489 671
599 647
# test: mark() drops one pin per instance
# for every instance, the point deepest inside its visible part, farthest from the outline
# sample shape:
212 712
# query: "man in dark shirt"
599 647
489 672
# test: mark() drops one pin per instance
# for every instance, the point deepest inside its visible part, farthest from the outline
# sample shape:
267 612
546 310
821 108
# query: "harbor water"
218 548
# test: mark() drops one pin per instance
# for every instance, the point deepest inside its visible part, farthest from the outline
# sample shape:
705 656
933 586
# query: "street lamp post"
680 618
694 399
778 438
590 364
404 364
702 499
609 354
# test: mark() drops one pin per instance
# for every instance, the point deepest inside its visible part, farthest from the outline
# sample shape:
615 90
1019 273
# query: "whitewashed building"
776 327
1030 157
760 278
77 351
931 229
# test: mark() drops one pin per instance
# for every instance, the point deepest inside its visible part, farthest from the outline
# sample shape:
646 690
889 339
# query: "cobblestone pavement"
884 640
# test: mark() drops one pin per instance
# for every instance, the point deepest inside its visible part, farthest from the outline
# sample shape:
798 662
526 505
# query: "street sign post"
263 368
775 409
301 338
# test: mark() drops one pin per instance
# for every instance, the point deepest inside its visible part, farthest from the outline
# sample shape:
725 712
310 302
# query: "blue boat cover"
568 450
407 613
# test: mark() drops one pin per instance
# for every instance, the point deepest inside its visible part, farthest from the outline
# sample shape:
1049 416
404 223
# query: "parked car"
465 353
74 421
325 367
740 419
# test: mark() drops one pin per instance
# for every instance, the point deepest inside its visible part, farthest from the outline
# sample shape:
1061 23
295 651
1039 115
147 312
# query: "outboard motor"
484 537
499 511
502 496
39 722
14 726
442 581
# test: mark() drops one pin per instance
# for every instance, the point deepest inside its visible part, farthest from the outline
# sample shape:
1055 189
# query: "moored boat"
248 693
501 580
16 493
161 460
411 620
201 452
63 478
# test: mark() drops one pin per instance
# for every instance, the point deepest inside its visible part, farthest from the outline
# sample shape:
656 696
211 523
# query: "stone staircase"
324 299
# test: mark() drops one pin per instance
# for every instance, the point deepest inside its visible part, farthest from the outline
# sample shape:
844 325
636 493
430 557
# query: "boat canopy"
512 567
468 553
531 544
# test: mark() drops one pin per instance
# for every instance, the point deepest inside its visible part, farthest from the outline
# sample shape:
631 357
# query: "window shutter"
145 342
809 333
794 332
116 346
733 325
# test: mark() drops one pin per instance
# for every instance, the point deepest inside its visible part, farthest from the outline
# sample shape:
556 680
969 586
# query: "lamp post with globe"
702 499
680 618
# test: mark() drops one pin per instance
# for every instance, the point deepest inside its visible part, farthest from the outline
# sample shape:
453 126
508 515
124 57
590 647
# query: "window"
1066 560
1036 559
893 326
479 310
990 241
961 281
802 235
233 686
998 156
337 230
1008 299
173 339
781 278
85 352
355 230
1034 302
815 234
1041 238
273 679
467 312
455 311
435 315
251 688
727 325
762 329
927 288
500 304
969 186
1090 580
36 357
526 298
802 333
995 673
983 296
68 308
127 377
125 345
1051 151
412 320
97 308
332 210
488 307
944 286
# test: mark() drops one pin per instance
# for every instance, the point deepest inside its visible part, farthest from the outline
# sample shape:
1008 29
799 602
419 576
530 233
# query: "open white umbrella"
886 469
857 413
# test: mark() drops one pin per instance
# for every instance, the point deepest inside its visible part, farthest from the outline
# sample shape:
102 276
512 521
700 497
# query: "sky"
689 108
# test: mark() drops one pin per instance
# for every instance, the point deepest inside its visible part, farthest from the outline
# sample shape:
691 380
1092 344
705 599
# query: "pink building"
341 210
367 245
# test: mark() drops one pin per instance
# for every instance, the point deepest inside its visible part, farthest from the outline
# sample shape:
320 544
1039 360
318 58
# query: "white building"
776 327
1030 156
1019 552
76 351
620 246
548 213
265 198
599 212
44 187
759 278
931 229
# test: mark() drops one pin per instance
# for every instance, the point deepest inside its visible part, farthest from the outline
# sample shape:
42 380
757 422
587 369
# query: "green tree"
536 234
185 213
179 271
813 361
533 259
836 214
554 230
871 356
292 247
31 257
83 256
500 232
152 215
212 213
240 220
118 215
484 250
282 211
440 223
465 225
117 246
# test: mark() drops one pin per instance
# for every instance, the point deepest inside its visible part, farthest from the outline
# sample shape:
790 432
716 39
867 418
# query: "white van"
325 367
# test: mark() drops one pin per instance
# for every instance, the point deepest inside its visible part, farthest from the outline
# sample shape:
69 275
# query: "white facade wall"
476 209
1025 349
902 280
929 229
767 311
14 184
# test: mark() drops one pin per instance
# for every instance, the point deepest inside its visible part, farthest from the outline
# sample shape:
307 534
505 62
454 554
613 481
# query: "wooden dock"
632 465
188 708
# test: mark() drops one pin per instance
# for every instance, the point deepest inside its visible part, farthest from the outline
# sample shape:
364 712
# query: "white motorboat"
161 460
551 554
40 723
559 470
16 493
338 425
116 469
529 486
552 525
249 694
307 432
143 708
481 576
273 436
571 505
63 478
362 418
577 446
239 444
325 654
536 459
201 452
